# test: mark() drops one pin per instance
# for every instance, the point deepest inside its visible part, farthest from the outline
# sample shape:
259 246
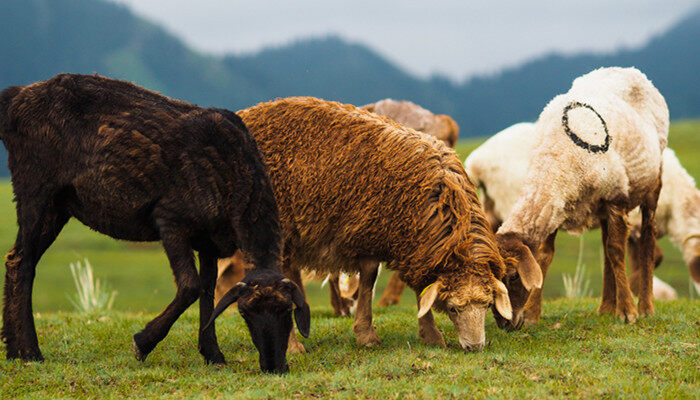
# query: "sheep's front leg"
208 345
427 330
179 253
533 307
364 331
615 232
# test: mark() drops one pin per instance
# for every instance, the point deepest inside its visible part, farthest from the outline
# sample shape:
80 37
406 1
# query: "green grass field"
572 352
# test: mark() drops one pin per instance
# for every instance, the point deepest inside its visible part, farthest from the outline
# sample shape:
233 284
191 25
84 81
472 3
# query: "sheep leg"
364 331
646 254
294 346
608 300
633 255
427 330
393 291
179 253
340 305
37 231
208 345
615 231
533 307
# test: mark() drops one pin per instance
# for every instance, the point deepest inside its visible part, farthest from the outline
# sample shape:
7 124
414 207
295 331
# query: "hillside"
42 38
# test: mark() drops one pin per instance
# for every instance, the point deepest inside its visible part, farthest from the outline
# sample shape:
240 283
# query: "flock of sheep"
302 185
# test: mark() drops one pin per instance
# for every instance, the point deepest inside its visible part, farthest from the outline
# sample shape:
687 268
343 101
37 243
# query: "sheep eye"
453 310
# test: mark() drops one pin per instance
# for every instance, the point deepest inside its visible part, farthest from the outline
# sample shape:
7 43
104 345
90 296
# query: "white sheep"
595 154
502 178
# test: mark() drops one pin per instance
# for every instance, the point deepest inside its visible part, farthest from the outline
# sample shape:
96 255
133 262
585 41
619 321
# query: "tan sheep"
355 189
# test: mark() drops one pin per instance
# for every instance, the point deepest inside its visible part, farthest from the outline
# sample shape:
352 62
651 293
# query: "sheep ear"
427 298
368 107
528 269
503 301
302 313
229 298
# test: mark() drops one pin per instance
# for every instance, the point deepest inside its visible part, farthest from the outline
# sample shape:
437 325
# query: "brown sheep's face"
522 275
466 302
266 300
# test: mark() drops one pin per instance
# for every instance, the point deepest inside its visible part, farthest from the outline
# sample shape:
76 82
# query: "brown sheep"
136 165
410 115
355 189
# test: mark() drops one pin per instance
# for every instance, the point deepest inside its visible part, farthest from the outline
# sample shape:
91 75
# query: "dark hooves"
140 355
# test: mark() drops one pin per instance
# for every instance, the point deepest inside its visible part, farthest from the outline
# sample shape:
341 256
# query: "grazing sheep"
136 165
410 115
502 179
355 189
596 155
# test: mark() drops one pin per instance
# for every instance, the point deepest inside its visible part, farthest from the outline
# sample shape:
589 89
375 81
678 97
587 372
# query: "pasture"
572 352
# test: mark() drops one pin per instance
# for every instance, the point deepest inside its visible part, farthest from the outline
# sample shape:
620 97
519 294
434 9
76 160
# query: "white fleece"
565 182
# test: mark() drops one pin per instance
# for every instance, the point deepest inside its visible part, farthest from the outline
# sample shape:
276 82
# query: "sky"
453 38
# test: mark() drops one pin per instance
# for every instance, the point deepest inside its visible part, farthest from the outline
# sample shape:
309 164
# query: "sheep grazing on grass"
596 155
344 300
355 189
499 167
136 165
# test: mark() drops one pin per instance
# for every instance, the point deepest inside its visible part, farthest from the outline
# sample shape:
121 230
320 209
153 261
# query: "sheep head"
265 301
523 274
465 300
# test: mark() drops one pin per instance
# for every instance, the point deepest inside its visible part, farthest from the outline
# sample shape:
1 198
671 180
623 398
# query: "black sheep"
139 166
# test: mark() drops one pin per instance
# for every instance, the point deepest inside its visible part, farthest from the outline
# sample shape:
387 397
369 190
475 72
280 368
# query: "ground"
573 352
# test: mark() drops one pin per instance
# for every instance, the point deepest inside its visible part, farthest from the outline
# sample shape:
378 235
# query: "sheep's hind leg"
533 307
179 253
364 331
208 345
615 233
38 228
427 330
646 254
393 291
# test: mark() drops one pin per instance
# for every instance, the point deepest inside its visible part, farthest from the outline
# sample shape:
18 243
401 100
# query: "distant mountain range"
40 38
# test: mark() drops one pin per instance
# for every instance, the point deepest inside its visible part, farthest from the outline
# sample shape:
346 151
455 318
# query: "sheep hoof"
433 339
606 308
368 338
646 309
140 356
630 315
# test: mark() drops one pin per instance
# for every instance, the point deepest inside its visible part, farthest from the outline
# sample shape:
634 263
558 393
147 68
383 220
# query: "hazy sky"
457 38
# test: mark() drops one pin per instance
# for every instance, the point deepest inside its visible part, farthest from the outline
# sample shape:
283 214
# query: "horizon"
542 29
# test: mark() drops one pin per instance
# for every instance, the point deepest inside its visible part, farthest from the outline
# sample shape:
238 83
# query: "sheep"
355 189
410 115
499 168
596 155
414 116
135 165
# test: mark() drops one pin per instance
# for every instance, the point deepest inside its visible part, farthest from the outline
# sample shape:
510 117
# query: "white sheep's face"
466 304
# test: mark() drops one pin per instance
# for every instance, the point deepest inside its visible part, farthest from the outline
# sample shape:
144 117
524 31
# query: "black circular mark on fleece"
593 148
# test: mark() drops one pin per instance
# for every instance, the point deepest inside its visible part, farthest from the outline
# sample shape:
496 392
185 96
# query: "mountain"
41 38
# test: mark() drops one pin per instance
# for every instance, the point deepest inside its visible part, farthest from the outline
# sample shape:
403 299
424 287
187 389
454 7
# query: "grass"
572 353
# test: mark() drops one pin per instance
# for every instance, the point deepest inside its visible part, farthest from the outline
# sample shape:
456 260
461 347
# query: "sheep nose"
473 347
